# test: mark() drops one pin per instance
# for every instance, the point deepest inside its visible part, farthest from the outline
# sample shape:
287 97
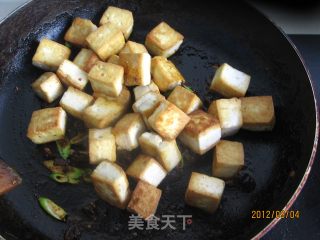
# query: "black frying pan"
276 162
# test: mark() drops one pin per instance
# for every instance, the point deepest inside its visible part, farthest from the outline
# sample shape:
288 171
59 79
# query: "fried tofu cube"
147 103
185 99
165 74
79 31
124 99
106 78
107 40
86 59
140 91
114 59
111 184
168 120
228 112
71 75
228 159
136 68
48 87
127 131
75 102
122 18
102 145
147 169
166 152
134 47
230 82
258 113
47 125
204 192
144 200
163 40
102 113
202 133
50 55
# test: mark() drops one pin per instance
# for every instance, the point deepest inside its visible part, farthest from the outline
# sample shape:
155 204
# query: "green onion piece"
53 168
64 148
79 138
188 88
58 177
75 175
87 175
52 209
181 164
67 44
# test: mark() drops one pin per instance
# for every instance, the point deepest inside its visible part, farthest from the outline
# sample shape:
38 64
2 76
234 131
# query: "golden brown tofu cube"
102 113
230 82
71 75
136 68
48 87
79 31
134 47
122 18
106 78
147 169
111 184
147 103
114 59
107 40
168 120
204 192
86 59
228 159
202 133
47 125
166 152
163 40
185 99
140 91
124 99
75 102
127 131
102 145
50 55
165 74
228 112
144 200
258 113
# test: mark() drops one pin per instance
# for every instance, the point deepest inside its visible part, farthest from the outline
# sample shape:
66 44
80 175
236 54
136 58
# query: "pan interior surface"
275 162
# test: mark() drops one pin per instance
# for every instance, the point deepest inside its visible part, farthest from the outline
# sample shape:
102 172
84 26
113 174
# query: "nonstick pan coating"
235 33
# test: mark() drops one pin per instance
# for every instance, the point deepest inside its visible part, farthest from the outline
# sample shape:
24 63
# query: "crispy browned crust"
163 121
152 39
258 113
200 121
9 179
126 122
79 30
144 200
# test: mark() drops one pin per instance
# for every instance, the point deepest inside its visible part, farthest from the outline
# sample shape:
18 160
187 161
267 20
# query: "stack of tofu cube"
116 67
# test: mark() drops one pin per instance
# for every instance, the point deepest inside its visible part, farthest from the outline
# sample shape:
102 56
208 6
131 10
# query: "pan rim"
304 179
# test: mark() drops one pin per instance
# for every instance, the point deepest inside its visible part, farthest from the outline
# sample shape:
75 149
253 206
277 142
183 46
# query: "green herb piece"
79 138
58 177
64 148
188 88
181 164
52 209
67 44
